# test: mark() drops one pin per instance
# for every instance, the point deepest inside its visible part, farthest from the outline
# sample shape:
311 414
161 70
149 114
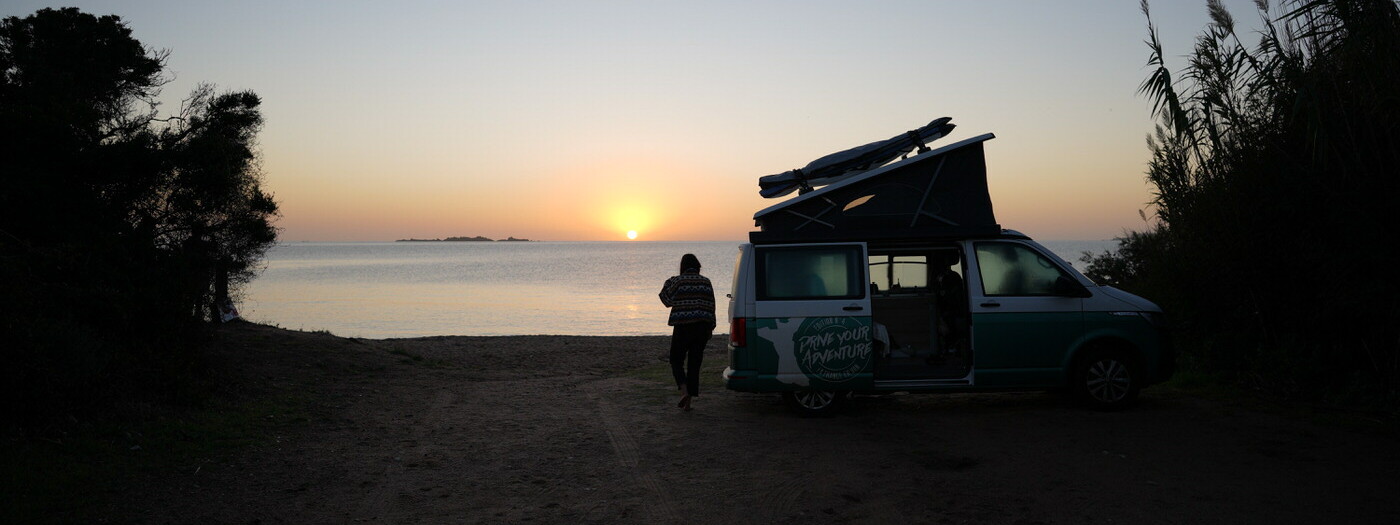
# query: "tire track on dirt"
781 501
658 503
885 510
377 504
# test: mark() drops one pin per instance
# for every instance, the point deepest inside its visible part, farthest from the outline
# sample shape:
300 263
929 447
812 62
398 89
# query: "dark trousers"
687 350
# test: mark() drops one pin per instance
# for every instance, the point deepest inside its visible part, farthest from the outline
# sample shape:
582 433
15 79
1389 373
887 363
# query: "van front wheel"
814 403
1107 380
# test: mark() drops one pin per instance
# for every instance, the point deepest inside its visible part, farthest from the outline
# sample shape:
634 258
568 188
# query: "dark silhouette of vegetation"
1275 170
451 239
117 227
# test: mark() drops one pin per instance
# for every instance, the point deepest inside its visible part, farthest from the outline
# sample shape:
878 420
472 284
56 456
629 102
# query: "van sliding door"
812 316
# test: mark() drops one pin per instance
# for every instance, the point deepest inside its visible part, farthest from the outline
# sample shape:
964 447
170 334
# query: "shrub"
1274 167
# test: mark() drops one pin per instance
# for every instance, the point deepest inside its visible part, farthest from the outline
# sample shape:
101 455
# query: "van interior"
919 306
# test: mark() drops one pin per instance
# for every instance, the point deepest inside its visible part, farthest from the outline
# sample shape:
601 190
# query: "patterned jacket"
691 299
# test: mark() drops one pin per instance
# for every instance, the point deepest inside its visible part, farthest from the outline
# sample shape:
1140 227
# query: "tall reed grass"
1275 168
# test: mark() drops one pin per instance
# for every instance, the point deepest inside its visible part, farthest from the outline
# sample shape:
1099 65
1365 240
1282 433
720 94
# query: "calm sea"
402 289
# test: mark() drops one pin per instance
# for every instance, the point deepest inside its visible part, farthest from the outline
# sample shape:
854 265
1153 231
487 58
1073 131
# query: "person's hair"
689 262
948 258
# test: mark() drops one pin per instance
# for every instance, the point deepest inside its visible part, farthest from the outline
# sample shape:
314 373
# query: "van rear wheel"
814 403
1107 380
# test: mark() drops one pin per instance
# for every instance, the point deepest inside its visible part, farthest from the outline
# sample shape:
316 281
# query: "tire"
815 403
1107 380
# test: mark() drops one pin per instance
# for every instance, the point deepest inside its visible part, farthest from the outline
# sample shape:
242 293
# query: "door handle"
853 308
991 304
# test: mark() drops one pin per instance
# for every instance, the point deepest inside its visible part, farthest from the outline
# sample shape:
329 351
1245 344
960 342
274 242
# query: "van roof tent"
937 193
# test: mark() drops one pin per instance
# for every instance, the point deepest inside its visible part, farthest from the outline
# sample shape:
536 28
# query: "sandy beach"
558 429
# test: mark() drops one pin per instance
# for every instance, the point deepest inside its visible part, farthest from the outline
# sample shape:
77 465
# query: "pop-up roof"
937 193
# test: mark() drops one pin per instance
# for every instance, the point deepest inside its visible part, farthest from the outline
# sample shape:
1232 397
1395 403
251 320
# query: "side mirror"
1066 287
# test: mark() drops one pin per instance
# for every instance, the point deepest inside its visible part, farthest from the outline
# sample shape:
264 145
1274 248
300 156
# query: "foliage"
1275 167
114 223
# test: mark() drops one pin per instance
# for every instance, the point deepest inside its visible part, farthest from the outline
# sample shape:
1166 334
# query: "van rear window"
810 272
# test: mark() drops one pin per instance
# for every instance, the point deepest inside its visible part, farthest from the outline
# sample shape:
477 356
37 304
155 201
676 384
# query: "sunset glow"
633 218
632 234
577 121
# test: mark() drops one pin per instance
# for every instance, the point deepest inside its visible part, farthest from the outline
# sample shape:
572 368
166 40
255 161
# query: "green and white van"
895 280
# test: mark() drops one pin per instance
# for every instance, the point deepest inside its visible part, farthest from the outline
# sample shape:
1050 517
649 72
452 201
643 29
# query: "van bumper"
740 380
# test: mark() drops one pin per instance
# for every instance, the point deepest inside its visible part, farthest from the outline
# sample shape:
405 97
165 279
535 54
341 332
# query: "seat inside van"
907 320
906 308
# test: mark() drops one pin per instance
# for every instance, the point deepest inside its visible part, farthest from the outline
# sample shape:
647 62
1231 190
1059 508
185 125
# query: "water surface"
402 289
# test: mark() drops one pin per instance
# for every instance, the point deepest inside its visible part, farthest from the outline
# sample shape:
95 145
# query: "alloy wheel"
815 399
1108 381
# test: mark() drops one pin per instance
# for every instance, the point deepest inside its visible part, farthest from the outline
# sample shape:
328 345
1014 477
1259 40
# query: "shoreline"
328 332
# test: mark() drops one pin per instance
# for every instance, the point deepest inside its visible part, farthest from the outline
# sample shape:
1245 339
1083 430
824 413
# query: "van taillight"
737 333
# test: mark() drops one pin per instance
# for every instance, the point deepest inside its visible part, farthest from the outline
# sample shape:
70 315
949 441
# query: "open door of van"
811 328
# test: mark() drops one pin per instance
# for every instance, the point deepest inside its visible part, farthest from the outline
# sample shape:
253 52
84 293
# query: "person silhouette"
691 298
950 301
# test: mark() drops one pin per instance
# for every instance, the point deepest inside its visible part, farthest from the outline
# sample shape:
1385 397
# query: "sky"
574 120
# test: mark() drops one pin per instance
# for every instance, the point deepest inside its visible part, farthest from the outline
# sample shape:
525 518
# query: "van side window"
817 272
899 273
1010 268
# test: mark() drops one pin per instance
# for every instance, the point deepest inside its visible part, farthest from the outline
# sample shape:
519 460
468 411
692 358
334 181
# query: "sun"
632 234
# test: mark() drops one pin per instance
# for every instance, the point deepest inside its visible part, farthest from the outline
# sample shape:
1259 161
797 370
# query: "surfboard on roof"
934 193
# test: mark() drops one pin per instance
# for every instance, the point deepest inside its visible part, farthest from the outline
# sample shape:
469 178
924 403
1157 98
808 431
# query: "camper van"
895 277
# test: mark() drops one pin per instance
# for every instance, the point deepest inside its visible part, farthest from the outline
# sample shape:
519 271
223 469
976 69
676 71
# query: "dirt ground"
552 429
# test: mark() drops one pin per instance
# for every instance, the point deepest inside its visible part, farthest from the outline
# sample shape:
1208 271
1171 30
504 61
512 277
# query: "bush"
118 229
1274 167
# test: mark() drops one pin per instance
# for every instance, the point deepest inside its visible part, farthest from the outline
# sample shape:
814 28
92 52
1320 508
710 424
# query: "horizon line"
613 240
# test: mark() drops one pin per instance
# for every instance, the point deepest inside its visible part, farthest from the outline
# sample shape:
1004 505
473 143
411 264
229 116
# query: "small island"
465 239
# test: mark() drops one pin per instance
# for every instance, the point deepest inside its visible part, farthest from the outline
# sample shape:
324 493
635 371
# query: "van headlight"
1157 319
